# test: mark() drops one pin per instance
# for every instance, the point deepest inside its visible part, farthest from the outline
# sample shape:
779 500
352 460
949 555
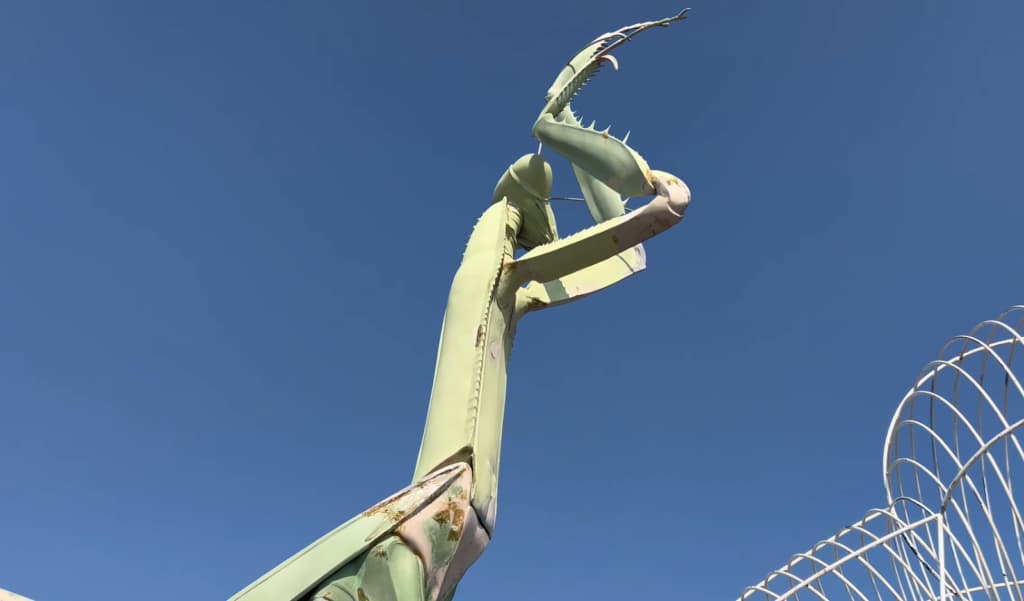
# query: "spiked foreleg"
598 153
588 61
603 202
582 283
579 251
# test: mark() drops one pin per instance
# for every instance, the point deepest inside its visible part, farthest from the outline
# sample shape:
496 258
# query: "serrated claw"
607 36
585 63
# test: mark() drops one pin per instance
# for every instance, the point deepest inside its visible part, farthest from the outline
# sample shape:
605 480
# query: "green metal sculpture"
417 544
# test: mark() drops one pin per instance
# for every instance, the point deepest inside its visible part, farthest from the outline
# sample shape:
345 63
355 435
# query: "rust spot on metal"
453 514
362 594
379 507
481 333
379 551
386 507
458 521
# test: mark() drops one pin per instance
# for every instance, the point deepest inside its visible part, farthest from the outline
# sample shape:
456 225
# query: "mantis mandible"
417 544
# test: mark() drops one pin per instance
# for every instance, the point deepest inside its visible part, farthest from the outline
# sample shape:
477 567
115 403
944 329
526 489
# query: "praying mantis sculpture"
417 544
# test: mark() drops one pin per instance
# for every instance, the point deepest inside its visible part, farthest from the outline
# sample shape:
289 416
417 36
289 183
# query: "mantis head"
526 186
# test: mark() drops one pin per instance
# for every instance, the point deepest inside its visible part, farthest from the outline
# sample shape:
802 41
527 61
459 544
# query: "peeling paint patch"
395 510
437 532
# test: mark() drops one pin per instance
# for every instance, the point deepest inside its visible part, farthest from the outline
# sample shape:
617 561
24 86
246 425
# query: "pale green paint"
603 201
412 547
297 575
467 399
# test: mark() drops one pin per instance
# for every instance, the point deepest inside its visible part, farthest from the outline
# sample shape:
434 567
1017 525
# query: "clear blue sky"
227 230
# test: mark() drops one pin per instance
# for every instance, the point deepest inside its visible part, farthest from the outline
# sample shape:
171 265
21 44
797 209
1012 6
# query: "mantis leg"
390 571
603 202
603 156
581 283
598 153
423 558
603 241
412 546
